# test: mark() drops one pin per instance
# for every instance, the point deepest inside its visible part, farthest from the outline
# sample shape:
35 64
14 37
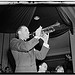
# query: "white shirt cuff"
46 45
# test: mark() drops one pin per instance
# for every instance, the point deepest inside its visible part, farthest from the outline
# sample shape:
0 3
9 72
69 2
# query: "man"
23 51
43 68
59 69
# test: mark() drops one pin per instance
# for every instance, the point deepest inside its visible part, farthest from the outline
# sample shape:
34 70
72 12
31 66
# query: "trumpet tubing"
46 30
49 29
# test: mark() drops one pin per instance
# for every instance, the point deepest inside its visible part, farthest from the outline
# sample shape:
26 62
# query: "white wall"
59 45
72 38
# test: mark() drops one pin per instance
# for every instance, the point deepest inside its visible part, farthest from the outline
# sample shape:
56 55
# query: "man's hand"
38 31
45 37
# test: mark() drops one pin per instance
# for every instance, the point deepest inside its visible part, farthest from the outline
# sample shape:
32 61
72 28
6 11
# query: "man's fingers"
47 33
40 27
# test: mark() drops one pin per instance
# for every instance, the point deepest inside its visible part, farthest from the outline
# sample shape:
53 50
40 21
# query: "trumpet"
48 29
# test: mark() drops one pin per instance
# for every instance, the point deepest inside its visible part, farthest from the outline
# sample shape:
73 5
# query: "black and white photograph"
37 37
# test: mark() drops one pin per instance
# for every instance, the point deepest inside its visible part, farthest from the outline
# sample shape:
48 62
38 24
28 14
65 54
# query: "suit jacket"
25 59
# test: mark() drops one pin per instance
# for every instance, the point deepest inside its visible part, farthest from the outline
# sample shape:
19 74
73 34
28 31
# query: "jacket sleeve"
20 45
40 55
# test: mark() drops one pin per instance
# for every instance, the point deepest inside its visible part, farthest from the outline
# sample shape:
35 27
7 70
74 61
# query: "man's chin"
27 39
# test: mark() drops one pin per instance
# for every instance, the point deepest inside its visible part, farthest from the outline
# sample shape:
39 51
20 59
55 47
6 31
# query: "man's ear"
19 32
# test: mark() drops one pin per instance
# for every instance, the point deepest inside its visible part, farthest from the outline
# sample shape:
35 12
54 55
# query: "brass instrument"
48 29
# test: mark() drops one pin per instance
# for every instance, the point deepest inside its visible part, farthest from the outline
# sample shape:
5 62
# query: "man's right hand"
45 37
38 31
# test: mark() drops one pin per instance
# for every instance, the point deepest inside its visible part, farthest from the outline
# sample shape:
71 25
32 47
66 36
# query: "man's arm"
20 45
40 55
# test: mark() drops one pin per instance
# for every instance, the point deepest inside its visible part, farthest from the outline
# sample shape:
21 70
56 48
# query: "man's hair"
17 35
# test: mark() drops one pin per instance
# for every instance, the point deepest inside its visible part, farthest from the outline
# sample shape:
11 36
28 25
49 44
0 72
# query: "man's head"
23 33
59 69
43 67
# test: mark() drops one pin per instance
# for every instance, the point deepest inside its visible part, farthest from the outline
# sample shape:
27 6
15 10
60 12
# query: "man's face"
24 32
43 67
60 69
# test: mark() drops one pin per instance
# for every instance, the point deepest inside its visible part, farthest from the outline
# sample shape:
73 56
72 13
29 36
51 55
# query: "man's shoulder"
14 39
